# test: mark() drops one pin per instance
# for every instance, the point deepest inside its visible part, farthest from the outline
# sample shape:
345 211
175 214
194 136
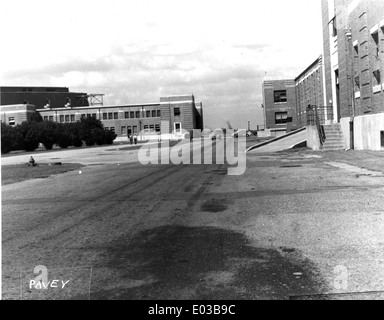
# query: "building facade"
285 101
172 114
353 39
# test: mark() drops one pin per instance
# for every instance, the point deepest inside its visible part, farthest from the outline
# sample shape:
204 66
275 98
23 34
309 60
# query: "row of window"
106 116
132 115
133 129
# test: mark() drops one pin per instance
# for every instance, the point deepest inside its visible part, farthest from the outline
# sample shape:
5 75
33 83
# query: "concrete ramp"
287 141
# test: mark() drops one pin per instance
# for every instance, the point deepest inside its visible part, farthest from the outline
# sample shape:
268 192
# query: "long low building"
171 114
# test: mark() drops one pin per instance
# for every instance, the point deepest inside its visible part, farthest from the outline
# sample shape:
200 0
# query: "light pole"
141 122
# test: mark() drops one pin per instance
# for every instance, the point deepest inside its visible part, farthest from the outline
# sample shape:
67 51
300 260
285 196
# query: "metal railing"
317 116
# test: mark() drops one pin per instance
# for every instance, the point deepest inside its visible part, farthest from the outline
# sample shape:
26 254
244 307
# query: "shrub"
48 132
64 136
7 138
109 136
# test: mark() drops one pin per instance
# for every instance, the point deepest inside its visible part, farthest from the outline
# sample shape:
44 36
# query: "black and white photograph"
192 156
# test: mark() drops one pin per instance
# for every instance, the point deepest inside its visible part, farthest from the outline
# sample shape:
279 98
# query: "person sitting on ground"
31 162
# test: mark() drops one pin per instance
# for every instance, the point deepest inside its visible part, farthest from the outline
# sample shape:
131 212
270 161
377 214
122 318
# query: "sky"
137 51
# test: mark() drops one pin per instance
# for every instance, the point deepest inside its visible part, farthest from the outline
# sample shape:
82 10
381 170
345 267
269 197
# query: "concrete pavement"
295 225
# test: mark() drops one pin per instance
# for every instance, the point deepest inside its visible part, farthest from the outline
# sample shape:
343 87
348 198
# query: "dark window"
72 118
280 96
281 117
375 37
148 113
145 127
106 128
61 118
83 116
377 76
115 115
334 27
110 115
105 116
88 116
357 82
50 118
382 138
153 113
45 118
157 126
129 130
158 113
94 115
67 118
151 127
126 115
132 114
176 111
112 129
11 121
137 114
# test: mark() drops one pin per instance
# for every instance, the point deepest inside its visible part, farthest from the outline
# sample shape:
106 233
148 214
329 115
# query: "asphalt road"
292 226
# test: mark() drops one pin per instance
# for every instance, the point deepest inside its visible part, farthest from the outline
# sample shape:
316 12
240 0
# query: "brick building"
171 114
353 36
285 101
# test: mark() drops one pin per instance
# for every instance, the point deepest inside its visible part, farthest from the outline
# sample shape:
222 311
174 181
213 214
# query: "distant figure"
191 135
31 162
135 138
130 138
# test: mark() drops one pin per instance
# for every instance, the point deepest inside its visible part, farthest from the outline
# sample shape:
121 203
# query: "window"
377 76
61 118
151 127
50 118
357 83
83 116
375 37
110 115
105 116
137 114
280 96
72 118
153 113
148 113
115 115
67 118
126 115
129 129
123 130
178 127
134 129
11 121
88 116
94 115
281 117
157 128
146 128
158 113
112 129
45 118
106 128
132 114
334 27
176 111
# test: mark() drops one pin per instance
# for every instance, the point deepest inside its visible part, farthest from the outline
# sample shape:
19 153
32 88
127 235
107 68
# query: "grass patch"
21 172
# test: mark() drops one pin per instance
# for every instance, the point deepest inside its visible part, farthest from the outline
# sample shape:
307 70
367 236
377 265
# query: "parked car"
216 135
242 133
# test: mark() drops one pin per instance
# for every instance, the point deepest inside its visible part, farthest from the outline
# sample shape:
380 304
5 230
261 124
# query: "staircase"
334 139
